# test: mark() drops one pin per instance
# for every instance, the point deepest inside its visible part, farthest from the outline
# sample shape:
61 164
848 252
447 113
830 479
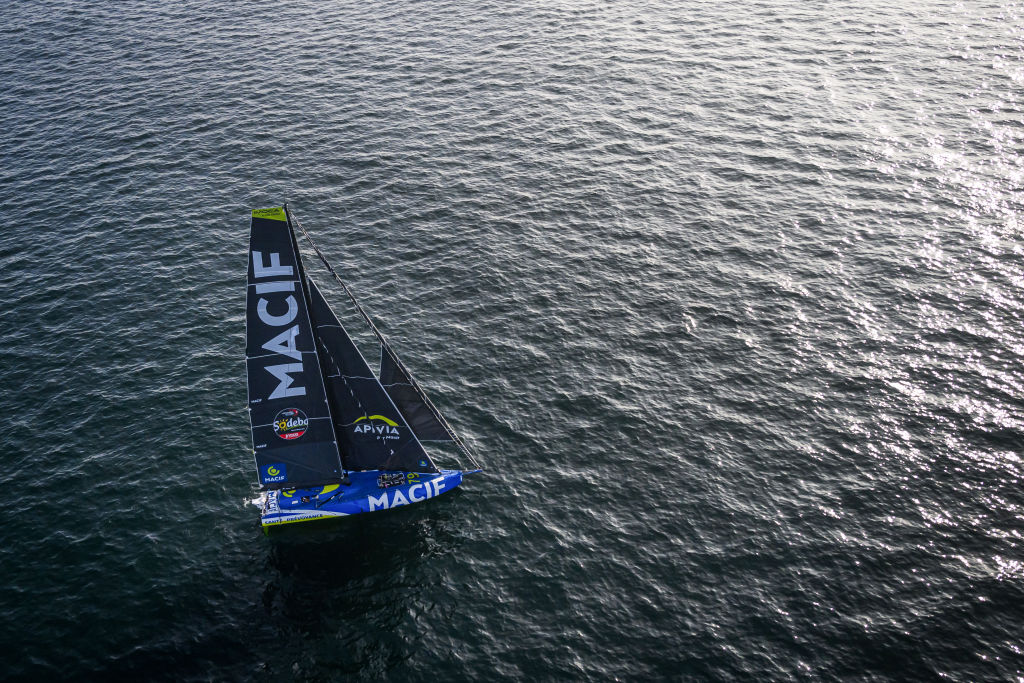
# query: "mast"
313 323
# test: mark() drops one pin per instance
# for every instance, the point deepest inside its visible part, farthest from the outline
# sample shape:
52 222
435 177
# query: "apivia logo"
377 425
274 473
290 423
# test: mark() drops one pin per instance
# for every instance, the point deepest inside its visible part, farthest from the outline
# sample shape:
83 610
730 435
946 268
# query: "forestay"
404 390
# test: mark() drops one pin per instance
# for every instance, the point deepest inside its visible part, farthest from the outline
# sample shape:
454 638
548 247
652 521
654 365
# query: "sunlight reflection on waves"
727 297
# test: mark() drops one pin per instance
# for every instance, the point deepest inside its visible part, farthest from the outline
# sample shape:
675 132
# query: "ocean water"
726 296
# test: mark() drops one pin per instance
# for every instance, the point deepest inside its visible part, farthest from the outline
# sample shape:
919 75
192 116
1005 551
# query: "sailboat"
331 438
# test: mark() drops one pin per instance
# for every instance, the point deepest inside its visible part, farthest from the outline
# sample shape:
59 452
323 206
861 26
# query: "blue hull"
365 494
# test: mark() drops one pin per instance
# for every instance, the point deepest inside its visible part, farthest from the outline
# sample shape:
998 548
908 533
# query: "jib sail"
410 402
372 431
292 431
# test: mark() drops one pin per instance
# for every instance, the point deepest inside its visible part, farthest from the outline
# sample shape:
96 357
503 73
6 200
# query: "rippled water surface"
727 297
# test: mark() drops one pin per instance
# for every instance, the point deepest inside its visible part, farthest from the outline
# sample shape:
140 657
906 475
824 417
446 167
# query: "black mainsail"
292 431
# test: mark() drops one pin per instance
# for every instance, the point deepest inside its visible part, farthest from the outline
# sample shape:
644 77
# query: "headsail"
386 350
292 431
372 431
410 402
414 402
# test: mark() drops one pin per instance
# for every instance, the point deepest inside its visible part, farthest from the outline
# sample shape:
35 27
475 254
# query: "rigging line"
341 282
387 347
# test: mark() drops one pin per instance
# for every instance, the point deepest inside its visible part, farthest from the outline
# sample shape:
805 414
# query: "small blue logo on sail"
274 473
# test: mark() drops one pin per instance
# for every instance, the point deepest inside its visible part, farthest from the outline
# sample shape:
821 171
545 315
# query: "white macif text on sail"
283 343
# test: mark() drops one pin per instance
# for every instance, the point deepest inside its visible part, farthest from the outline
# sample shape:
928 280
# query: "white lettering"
285 387
284 343
399 496
282 286
412 496
278 320
275 267
381 502
437 484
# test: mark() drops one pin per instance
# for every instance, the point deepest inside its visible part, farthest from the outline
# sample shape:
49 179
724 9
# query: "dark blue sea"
726 296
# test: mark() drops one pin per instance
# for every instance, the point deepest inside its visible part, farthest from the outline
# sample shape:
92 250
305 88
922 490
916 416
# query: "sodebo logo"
290 423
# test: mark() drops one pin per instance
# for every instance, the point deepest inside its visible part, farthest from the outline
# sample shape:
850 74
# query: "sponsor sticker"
378 426
274 473
387 480
291 423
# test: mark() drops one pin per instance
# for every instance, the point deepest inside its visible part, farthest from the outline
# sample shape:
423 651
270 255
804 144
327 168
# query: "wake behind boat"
330 437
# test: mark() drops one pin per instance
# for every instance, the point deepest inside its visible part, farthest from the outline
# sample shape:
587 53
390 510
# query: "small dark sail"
372 431
292 431
409 401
